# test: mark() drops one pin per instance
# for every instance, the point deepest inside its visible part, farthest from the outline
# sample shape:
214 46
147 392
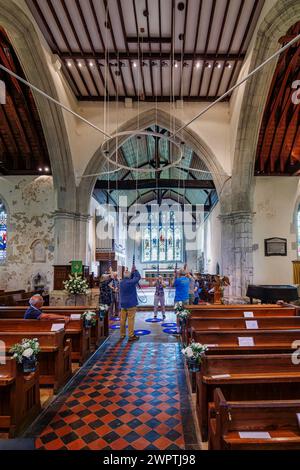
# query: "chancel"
149 225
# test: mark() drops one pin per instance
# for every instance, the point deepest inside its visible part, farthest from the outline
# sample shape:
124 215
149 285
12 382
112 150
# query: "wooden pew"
19 397
277 418
55 357
227 341
75 330
264 323
245 377
98 332
233 311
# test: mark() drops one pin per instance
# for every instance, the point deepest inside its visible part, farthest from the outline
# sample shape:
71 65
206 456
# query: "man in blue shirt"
34 311
182 285
129 301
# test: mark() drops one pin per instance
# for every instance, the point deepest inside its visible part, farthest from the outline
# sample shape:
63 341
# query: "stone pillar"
71 237
237 261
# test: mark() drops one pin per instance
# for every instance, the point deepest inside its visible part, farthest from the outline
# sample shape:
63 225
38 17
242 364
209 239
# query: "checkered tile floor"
129 396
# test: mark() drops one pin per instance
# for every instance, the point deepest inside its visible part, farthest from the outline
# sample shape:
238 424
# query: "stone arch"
26 43
276 23
144 120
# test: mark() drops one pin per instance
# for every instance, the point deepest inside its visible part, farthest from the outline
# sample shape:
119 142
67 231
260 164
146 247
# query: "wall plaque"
275 246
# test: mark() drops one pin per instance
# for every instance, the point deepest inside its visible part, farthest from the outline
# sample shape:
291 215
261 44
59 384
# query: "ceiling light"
69 64
46 169
40 169
208 65
218 65
91 64
134 64
228 65
176 65
198 64
79 64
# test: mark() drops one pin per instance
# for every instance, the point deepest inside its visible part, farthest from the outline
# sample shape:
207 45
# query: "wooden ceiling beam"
115 47
56 49
125 41
155 56
211 18
195 45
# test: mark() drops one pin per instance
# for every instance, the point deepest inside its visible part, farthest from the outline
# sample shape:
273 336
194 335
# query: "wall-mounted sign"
275 246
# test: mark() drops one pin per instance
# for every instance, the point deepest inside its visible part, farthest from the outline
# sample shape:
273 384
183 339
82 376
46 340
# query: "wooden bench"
264 323
19 397
233 311
98 332
245 377
75 330
230 418
55 357
228 341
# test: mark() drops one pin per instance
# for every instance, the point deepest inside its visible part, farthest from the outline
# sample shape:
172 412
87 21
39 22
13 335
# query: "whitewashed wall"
275 201
30 203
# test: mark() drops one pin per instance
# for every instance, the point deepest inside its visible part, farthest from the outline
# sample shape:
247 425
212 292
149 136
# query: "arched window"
3 230
162 239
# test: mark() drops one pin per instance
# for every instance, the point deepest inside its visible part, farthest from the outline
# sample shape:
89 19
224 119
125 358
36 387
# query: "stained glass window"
162 239
3 231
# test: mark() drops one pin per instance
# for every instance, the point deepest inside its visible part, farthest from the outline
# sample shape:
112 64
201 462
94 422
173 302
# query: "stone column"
237 261
71 237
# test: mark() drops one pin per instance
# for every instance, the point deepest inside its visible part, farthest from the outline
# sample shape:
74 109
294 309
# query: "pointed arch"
142 121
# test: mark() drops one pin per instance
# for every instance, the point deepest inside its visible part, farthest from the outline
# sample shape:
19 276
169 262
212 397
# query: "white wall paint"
30 203
275 201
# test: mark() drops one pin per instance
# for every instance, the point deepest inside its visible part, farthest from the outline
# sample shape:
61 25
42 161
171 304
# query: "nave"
125 397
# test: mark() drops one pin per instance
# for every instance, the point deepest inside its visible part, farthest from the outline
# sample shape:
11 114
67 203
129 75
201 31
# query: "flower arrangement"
103 307
89 318
194 352
76 285
27 349
181 312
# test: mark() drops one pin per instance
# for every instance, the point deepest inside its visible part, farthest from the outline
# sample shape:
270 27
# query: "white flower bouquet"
89 318
183 314
194 352
103 307
76 285
27 349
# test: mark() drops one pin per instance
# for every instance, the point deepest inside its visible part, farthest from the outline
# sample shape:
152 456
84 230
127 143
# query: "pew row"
55 364
19 397
245 377
74 330
98 332
229 323
248 341
233 311
253 425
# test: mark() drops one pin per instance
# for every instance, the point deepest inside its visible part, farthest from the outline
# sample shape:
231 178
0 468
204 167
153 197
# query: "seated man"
34 312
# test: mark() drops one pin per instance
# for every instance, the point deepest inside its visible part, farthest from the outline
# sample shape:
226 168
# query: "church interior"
149 225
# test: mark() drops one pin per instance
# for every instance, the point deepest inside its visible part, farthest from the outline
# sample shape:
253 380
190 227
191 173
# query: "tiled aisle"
128 396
